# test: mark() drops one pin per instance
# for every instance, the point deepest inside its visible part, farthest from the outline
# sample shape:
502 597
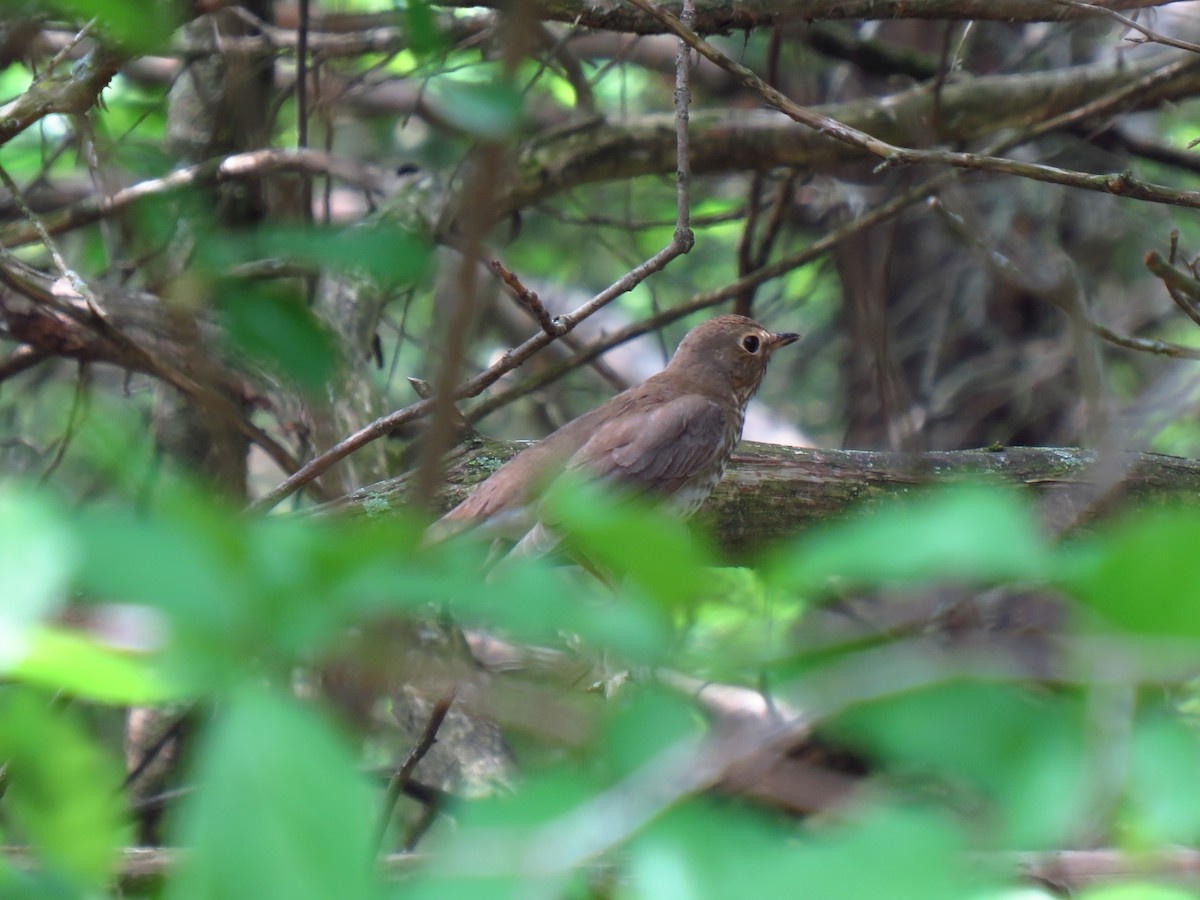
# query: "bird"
668 438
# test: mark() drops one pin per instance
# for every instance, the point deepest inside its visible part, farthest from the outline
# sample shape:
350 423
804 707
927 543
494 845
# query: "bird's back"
653 437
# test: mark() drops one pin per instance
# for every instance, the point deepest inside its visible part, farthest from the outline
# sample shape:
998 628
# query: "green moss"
375 504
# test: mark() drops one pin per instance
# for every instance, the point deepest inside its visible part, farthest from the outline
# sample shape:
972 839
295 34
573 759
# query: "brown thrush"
669 437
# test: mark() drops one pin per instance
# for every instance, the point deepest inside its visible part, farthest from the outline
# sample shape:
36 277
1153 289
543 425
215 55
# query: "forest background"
279 281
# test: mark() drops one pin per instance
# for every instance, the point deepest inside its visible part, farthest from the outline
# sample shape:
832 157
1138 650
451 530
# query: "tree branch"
714 17
770 492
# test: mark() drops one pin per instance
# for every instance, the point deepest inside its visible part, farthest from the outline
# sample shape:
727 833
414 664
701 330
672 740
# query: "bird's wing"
657 449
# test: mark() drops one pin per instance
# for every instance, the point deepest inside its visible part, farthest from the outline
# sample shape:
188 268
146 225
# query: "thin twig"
214 171
681 242
1149 35
527 298
19 360
155 750
73 419
709 299
66 49
1183 289
1067 301
1121 184
400 779
92 316
530 301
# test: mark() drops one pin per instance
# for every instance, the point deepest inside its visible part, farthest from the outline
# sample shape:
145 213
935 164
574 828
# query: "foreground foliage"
971 754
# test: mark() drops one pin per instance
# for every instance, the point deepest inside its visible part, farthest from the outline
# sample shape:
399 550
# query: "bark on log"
770 492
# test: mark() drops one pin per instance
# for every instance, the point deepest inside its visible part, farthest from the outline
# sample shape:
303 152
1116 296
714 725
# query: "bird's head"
729 352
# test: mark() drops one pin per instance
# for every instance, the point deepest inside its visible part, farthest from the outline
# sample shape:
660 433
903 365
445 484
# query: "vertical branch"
744 302
684 238
302 101
479 195
447 392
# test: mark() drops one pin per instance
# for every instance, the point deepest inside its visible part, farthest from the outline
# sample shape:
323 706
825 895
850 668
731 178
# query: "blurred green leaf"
645 723
187 562
270 324
962 533
488 110
63 793
242 596
140 25
81 667
654 551
422 32
1164 784
535 601
703 851
1144 575
386 252
280 809
37 556
499 846
1138 890
739 626
1021 751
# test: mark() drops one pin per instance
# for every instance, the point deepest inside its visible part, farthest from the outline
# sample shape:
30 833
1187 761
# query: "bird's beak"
782 339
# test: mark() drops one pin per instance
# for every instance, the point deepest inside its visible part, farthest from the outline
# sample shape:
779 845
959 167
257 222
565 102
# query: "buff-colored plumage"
669 437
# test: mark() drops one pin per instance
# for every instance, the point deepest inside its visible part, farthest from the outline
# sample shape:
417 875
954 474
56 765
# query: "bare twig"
1065 300
527 298
1148 34
214 171
681 242
707 300
75 93
19 360
1122 184
530 301
171 733
65 50
92 316
73 418
1183 289
400 779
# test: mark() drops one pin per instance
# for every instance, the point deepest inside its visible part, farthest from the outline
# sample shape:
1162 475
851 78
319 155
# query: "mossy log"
770 492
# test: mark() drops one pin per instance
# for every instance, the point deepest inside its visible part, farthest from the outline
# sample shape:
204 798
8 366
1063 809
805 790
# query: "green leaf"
84 668
962 533
37 556
140 25
63 793
188 562
1021 751
422 33
1138 890
1144 576
654 551
386 252
487 110
645 724
280 809
702 851
271 324
241 596
739 627
499 847
1164 785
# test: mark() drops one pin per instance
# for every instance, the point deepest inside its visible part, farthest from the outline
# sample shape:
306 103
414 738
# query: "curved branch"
770 492
715 17
210 172
753 140
75 93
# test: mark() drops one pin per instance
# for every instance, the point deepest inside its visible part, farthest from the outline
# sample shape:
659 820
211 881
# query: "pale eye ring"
751 343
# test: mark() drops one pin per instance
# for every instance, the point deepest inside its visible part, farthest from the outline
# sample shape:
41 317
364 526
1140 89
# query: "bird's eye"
750 342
